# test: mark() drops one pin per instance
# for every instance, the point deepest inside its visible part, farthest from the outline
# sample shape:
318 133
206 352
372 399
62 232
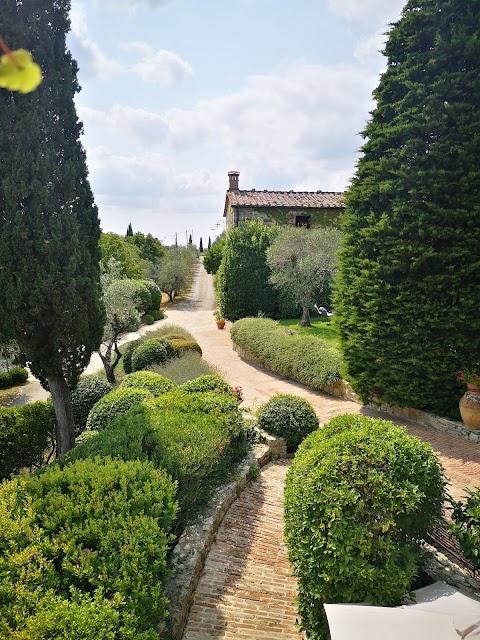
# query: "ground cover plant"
359 496
321 327
83 551
188 366
196 437
300 357
288 416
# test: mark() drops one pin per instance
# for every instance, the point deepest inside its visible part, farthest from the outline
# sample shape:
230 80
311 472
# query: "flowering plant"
237 393
468 376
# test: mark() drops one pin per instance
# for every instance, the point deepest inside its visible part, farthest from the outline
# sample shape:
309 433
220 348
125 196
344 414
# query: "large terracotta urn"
470 406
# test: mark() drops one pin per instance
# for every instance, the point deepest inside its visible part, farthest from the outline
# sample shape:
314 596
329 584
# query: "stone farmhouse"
308 209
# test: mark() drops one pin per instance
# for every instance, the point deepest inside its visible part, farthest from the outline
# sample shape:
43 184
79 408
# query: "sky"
176 93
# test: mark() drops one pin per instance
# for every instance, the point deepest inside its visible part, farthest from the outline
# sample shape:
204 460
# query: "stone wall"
284 216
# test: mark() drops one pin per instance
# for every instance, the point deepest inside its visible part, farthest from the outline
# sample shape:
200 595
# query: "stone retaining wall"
190 553
439 567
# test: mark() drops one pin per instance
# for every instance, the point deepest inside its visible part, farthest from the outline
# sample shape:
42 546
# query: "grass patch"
321 328
7 395
187 367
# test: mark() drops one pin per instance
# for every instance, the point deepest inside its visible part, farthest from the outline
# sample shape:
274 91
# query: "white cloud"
158 67
92 61
367 10
368 50
133 4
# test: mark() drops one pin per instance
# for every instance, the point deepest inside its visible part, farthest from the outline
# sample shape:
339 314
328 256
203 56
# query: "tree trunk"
108 365
305 321
62 405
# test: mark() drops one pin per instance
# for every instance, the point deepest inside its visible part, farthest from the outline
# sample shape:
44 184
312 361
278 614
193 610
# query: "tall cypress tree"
408 287
209 246
129 230
49 227
200 245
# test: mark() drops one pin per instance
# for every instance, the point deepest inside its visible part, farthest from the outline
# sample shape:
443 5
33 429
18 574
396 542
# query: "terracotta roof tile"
304 199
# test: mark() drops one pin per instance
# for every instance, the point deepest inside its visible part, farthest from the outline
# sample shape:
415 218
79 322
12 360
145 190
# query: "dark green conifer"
129 230
200 246
49 227
408 293
209 243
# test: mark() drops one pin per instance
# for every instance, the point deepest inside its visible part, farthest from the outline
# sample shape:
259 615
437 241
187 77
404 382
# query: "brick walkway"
246 591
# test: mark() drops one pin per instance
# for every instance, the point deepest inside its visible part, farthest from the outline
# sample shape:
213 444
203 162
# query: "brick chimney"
233 180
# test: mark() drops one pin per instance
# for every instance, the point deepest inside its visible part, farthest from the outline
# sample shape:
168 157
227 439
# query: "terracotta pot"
220 323
470 407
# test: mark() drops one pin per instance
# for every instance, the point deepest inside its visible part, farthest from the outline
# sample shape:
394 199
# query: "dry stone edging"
439 567
343 389
191 550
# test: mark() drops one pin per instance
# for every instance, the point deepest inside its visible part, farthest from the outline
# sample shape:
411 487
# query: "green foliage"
172 273
152 382
155 314
407 297
181 345
26 435
300 357
243 276
147 319
210 382
359 496
301 260
170 331
86 394
128 353
187 366
113 404
13 377
83 550
195 437
466 525
289 417
125 252
150 352
50 300
213 256
149 248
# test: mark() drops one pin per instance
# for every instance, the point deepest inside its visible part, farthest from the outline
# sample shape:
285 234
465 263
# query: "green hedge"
196 437
86 394
113 404
128 353
83 551
208 382
26 434
148 380
359 495
12 378
151 352
181 344
289 417
296 356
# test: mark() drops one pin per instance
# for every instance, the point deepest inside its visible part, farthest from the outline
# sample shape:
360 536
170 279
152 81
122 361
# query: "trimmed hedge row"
83 551
359 496
26 434
196 437
299 357
12 378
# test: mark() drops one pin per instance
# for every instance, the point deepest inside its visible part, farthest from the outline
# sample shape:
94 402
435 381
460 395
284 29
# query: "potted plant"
470 401
219 319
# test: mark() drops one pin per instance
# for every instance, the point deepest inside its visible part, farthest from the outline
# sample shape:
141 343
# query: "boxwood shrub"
359 495
151 352
156 314
12 378
114 403
148 319
209 382
196 437
87 393
288 416
305 358
181 344
128 353
27 434
152 382
83 550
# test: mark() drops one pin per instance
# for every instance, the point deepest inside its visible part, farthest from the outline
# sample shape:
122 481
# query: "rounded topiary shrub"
185 345
12 378
153 382
87 393
148 319
150 352
113 404
156 314
208 382
289 417
128 353
359 495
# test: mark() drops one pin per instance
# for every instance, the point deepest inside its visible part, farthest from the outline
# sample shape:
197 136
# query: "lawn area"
321 328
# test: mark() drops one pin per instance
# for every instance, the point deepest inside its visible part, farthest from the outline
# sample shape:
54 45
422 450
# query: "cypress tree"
129 230
407 295
209 243
190 241
49 227
200 246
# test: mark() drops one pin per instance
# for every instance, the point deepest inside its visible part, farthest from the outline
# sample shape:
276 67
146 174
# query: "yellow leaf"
18 72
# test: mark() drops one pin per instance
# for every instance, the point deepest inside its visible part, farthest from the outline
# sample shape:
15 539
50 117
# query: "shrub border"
190 553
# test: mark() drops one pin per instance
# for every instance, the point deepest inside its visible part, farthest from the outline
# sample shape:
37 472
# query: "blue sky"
175 93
